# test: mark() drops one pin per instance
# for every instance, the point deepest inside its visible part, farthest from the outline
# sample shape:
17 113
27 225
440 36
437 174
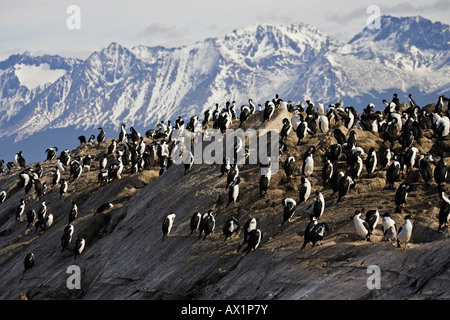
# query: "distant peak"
398 33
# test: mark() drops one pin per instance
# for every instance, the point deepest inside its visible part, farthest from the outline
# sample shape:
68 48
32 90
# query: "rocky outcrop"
126 257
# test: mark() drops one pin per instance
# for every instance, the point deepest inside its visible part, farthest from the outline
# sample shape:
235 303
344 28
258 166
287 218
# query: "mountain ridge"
142 85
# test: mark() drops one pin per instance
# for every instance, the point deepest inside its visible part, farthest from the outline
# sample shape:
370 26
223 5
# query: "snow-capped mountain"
141 86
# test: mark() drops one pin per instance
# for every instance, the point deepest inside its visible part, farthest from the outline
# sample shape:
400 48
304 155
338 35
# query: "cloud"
403 8
159 33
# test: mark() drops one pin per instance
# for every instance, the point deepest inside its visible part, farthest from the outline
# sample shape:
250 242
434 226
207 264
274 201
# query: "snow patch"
36 76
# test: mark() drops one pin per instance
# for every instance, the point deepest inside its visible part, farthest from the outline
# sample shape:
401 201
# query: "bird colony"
323 152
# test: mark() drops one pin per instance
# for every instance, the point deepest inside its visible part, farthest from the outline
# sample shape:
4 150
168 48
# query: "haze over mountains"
48 101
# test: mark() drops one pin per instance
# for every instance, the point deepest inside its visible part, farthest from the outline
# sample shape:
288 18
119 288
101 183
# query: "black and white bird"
19 160
43 210
391 131
168 224
194 223
73 212
44 222
225 167
327 171
372 218
371 161
356 168
323 123
406 139
308 230
318 232
232 175
87 162
389 228
20 210
289 205
425 170
385 157
442 127
60 166
29 185
361 226
250 225
104 207
233 191
264 180
103 161
112 147
189 163
401 195
410 158
339 136
350 119
393 173
64 160
440 171
302 130
100 136
317 207
304 190
63 188
286 129
29 261
308 162
122 133
31 217
333 152
80 243
289 167
207 225
230 227
76 168
444 211
404 233
82 139
268 111
51 153
67 236
344 185
254 240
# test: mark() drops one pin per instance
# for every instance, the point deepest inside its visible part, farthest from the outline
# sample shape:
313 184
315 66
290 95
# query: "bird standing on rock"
440 171
289 167
389 228
308 162
207 225
362 227
230 227
401 195
289 205
404 233
29 261
168 224
308 230
79 247
100 136
103 207
444 211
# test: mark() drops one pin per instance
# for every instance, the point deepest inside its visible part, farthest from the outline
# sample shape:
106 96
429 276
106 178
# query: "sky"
55 27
